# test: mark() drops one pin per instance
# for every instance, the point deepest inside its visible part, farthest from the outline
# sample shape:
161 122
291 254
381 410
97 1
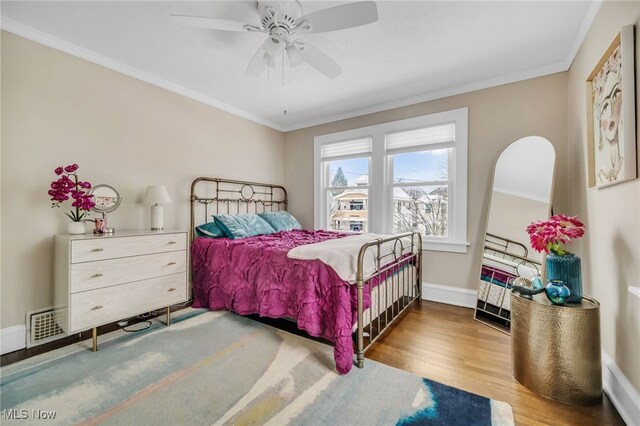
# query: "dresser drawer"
88 250
102 273
95 307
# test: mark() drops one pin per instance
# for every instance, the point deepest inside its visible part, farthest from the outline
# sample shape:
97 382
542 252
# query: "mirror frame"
486 226
110 209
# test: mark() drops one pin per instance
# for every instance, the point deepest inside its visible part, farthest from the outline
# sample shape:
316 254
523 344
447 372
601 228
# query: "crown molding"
46 39
589 17
438 94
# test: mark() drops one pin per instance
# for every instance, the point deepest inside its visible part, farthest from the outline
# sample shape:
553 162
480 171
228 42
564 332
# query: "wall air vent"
42 327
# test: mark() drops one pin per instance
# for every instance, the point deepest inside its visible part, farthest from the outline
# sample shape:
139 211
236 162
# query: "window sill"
448 246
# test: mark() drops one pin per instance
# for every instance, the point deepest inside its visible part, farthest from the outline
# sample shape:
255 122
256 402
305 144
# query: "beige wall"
58 109
497 117
611 247
509 216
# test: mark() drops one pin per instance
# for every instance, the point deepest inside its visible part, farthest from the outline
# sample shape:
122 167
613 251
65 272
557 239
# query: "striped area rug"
219 368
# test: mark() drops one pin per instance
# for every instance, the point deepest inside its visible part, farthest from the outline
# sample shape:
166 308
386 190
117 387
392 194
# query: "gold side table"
555 350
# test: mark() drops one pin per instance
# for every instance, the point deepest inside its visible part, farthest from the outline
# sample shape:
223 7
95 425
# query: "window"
357 205
419 161
345 184
357 226
407 175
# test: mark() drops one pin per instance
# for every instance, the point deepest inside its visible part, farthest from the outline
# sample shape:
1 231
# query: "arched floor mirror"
521 193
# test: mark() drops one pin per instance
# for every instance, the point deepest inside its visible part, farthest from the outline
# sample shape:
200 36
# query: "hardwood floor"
443 343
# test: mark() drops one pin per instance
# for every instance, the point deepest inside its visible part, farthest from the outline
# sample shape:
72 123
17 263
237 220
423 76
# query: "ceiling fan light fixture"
295 58
273 46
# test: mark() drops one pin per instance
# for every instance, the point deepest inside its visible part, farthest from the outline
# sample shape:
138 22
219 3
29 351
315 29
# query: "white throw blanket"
342 254
518 268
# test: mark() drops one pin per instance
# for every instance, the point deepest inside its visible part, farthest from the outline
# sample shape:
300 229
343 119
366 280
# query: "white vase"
76 228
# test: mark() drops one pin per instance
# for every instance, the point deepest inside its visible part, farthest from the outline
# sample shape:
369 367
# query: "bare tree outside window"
423 208
424 211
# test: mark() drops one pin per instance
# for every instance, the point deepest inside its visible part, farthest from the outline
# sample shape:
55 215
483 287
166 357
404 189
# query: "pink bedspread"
254 276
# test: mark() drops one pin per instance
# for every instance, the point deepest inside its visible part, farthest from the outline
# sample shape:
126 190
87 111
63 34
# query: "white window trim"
379 211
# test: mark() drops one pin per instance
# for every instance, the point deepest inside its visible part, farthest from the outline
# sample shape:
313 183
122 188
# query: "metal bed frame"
397 258
512 252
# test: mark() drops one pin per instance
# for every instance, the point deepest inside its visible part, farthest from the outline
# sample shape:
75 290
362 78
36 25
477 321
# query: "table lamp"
156 195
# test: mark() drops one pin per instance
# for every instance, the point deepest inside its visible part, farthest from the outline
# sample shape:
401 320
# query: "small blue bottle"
557 292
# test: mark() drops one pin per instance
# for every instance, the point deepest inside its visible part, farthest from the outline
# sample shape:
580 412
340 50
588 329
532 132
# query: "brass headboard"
217 196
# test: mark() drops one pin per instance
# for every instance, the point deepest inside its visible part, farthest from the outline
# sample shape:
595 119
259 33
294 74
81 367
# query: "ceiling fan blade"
295 58
341 17
320 60
210 23
258 64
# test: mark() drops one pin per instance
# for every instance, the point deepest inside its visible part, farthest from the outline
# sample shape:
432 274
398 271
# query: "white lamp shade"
156 194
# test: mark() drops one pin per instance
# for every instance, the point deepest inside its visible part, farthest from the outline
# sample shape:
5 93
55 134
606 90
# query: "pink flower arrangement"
550 235
68 186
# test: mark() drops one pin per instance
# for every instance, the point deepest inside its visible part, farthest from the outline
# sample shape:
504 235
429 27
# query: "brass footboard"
397 264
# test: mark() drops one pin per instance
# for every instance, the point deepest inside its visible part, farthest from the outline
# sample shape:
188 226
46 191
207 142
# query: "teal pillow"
209 229
280 221
242 225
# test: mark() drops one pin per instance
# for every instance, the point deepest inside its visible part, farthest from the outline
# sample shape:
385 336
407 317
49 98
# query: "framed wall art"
611 126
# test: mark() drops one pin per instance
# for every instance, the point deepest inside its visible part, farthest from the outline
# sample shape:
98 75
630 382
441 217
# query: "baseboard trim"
621 392
450 295
13 338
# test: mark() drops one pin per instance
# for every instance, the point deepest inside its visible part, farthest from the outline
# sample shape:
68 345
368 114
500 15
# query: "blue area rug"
220 368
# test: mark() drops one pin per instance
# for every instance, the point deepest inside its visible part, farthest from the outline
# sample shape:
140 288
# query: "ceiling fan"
283 22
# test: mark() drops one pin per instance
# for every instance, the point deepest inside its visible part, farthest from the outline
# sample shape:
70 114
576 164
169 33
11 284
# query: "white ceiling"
417 51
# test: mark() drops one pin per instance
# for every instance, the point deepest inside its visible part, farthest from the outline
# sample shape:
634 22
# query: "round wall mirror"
106 197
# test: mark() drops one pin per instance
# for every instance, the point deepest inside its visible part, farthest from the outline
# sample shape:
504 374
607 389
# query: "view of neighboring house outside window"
349 210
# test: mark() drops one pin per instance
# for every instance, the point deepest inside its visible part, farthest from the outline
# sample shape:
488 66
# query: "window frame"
449 183
326 187
380 189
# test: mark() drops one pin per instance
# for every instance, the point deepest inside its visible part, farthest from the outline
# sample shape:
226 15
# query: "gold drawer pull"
172 289
96 275
171 263
98 249
173 242
95 308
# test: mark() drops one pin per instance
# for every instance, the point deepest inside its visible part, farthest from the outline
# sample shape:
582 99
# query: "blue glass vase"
557 292
567 269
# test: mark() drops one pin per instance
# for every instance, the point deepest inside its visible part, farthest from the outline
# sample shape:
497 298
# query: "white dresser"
103 279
